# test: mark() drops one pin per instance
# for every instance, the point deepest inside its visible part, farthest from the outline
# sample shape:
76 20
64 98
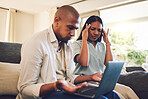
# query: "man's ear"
56 20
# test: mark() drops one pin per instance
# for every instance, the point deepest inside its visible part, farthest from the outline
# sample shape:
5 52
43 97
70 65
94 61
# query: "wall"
27 24
24 26
44 20
41 21
92 5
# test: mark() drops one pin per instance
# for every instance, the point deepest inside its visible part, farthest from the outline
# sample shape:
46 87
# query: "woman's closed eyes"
93 29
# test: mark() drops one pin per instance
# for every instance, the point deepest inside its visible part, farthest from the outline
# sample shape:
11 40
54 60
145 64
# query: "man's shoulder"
41 34
37 38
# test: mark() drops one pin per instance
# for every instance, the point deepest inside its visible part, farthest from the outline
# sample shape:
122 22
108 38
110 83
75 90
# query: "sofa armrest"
134 68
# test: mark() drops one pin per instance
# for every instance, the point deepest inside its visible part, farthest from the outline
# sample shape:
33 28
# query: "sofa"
10 68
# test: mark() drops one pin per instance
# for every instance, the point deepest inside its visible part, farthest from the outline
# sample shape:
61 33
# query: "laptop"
107 83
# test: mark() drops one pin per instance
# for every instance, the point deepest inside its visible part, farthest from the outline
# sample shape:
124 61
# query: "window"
128 31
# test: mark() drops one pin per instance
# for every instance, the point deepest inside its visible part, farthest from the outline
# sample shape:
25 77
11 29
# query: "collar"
98 43
53 38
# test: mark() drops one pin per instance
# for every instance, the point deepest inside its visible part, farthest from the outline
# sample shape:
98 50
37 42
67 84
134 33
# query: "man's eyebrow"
71 26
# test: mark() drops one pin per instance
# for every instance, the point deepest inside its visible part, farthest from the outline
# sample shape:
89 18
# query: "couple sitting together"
50 63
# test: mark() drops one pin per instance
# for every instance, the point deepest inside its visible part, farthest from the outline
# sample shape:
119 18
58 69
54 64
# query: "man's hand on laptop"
69 87
97 77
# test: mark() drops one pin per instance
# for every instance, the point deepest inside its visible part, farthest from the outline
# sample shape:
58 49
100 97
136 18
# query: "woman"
90 54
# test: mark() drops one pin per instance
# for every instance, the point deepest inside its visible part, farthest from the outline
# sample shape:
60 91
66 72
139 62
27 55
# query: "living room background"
136 19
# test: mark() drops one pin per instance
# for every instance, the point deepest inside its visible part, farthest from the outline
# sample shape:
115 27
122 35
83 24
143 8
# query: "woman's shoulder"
78 41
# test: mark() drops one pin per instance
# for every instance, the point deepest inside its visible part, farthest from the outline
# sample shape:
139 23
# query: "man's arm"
60 85
46 89
30 69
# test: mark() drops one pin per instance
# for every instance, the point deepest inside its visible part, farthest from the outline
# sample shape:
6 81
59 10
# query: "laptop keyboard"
89 90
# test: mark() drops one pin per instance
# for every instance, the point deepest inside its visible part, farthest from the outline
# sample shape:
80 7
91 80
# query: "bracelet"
55 86
108 44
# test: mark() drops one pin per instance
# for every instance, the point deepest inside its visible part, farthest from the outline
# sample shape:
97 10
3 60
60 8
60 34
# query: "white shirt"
96 58
60 64
39 65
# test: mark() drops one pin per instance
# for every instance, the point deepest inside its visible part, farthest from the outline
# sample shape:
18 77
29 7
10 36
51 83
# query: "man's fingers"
80 87
84 84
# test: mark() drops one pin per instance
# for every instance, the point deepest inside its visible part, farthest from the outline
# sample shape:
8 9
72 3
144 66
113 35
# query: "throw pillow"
9 73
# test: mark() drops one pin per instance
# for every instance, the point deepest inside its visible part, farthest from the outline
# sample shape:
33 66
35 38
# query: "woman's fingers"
87 26
107 31
85 32
104 32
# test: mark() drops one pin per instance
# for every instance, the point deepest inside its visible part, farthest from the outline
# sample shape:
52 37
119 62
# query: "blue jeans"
61 95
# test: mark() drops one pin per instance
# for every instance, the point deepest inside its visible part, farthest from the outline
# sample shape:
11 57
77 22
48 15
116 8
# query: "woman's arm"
83 57
94 77
109 56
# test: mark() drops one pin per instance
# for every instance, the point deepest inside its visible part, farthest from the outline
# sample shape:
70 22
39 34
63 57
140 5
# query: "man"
46 61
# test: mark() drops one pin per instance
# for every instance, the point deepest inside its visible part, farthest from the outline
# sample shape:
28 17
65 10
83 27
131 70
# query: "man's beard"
66 41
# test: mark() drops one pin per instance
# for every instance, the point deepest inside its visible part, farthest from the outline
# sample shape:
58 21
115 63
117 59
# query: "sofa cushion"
9 74
137 80
10 52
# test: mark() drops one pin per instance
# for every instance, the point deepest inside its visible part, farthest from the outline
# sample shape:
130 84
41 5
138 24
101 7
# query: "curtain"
3 18
10 26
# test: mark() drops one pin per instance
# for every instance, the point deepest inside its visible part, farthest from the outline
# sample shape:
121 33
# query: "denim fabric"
61 95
